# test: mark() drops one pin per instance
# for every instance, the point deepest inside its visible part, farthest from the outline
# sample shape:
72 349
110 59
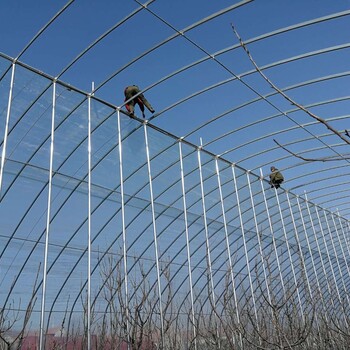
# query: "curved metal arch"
324 179
178 33
346 183
310 54
336 199
303 164
343 158
41 31
343 210
316 172
212 56
245 104
248 41
101 37
300 163
261 37
301 152
258 99
311 123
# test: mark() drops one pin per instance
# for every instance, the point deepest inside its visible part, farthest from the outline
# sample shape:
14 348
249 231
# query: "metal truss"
101 211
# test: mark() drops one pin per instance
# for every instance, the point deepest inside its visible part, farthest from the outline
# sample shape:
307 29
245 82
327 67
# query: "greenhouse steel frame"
124 233
167 210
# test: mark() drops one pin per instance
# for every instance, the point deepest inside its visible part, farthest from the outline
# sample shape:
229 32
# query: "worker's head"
273 168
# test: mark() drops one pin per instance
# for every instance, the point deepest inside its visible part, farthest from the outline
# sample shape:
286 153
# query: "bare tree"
131 318
274 319
10 318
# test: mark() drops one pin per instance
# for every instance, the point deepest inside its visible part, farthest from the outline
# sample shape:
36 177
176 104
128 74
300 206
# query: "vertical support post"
125 252
300 251
318 248
347 247
154 234
336 257
289 253
340 245
244 241
4 145
42 315
229 255
89 229
311 256
288 250
209 265
328 255
187 245
259 235
271 231
344 235
206 229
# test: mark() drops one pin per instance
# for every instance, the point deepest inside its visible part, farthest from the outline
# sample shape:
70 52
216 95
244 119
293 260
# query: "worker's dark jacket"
131 91
276 177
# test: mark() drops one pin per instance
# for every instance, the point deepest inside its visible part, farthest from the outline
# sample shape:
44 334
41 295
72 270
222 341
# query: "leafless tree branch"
332 159
290 100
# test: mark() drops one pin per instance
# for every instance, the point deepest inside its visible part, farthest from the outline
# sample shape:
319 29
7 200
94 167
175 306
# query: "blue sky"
248 137
83 22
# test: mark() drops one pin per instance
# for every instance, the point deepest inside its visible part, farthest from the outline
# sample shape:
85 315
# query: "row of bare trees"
292 317
288 317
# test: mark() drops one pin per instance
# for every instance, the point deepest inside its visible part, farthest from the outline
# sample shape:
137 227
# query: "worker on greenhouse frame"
276 178
140 99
